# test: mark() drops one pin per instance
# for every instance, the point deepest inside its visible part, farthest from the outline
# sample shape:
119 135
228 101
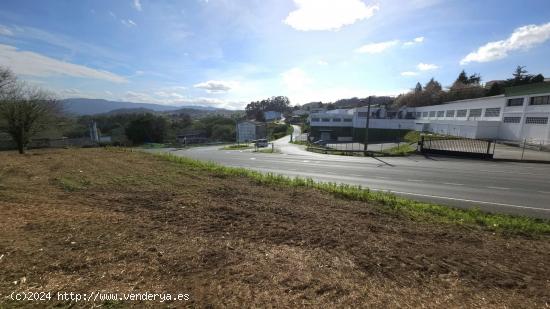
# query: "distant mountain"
139 110
80 106
199 113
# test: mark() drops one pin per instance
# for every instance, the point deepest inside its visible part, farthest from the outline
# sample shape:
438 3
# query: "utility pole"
367 126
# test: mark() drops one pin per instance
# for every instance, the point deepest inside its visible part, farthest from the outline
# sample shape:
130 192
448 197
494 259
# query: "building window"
432 114
461 112
362 114
536 120
450 113
515 102
348 120
475 112
441 114
314 119
325 119
512 119
418 114
492 112
425 114
542 100
336 120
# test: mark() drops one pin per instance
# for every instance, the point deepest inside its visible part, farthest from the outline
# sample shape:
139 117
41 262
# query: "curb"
522 161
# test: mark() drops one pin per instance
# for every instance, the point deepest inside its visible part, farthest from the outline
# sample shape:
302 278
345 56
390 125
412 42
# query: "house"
249 130
272 115
192 137
300 112
522 113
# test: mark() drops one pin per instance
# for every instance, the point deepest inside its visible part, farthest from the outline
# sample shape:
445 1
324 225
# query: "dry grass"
83 220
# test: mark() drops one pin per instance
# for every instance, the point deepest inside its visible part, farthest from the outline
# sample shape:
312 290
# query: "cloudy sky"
226 53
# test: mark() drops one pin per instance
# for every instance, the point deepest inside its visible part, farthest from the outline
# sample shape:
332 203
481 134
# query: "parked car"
261 143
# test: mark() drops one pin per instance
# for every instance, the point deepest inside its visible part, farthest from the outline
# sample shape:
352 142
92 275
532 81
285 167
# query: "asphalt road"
516 188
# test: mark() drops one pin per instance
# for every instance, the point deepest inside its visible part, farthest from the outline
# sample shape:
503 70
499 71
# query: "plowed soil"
97 220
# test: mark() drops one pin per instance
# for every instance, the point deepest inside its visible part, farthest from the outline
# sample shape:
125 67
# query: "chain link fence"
525 150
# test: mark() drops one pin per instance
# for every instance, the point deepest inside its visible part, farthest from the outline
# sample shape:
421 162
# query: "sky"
226 53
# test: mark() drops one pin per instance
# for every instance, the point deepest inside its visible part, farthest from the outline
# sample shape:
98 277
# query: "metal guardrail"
456 146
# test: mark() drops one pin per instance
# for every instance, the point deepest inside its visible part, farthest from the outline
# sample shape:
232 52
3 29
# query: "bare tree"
25 110
7 79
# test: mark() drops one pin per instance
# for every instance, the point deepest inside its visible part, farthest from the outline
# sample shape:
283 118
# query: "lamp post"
367 125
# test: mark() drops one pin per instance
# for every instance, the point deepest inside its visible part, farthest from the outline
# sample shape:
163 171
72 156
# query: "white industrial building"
520 114
248 131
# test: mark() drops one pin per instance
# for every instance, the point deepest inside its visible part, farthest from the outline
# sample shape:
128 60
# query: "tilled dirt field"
98 220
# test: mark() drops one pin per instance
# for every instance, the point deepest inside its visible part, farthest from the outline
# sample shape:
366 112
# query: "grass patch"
391 202
304 143
237 147
154 145
71 184
401 150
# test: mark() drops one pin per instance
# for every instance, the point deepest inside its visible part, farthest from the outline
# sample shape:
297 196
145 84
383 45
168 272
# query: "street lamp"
367 125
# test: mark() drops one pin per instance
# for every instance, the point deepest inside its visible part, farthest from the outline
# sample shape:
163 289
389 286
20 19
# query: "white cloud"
523 38
176 99
217 86
426 66
409 73
296 78
137 5
128 23
322 62
5 31
328 14
417 40
375 48
170 95
34 64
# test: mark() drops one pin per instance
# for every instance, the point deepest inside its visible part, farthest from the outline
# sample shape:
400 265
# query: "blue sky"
225 53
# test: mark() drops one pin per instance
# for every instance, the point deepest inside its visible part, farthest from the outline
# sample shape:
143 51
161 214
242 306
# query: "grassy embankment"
119 220
391 202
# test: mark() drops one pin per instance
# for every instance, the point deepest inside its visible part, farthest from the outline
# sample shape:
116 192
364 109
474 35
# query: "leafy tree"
520 73
474 79
496 89
433 86
223 132
255 110
207 124
147 128
539 78
25 110
462 78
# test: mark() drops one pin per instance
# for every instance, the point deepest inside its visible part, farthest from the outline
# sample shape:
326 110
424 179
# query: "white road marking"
453 184
305 161
415 180
499 188
461 200
252 158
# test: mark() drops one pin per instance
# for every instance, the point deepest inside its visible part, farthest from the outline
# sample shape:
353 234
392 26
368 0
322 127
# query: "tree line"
27 112
464 87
